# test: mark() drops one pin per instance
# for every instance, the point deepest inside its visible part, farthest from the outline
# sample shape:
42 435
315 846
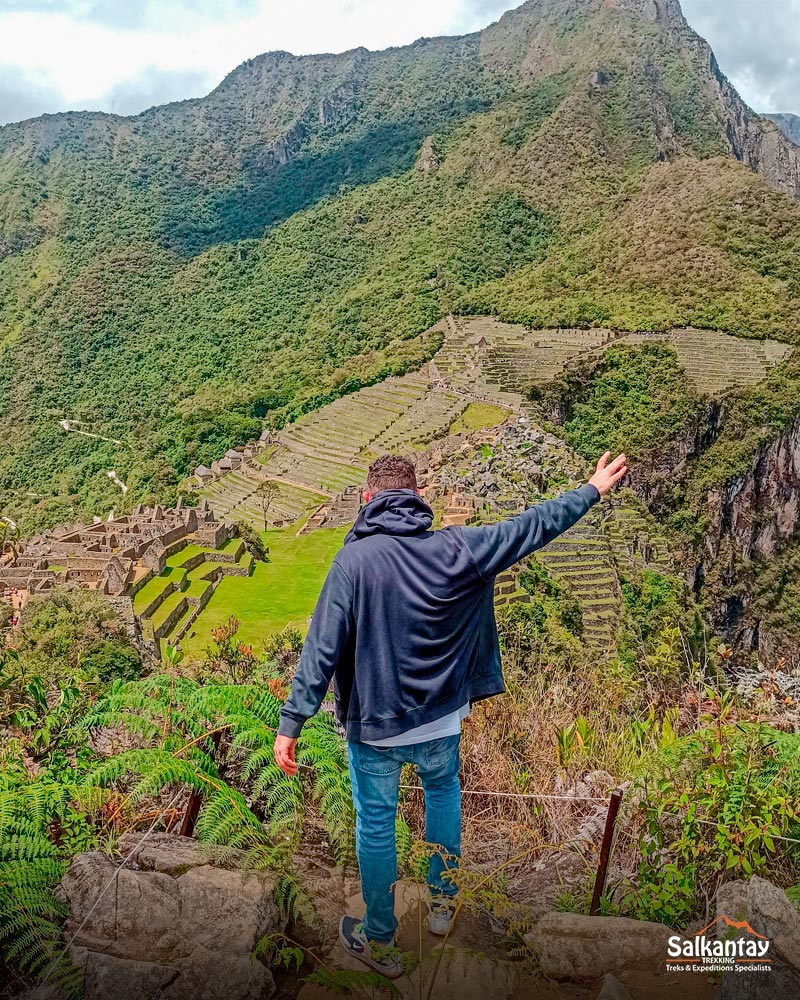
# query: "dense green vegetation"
66 789
549 623
752 419
631 401
91 750
173 279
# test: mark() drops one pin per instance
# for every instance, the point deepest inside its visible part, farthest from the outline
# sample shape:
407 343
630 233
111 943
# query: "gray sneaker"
441 912
384 958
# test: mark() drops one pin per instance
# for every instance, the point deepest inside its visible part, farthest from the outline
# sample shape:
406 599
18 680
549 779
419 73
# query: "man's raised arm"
328 635
498 546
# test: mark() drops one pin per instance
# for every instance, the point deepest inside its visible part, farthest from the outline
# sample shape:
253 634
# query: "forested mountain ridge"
170 279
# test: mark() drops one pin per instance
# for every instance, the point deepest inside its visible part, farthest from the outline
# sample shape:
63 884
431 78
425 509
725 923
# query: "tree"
233 659
253 541
267 494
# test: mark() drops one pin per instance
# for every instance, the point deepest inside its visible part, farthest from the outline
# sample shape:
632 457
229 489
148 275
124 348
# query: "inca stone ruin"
309 475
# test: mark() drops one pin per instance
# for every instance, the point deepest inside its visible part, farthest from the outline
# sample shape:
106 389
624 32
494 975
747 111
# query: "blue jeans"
375 777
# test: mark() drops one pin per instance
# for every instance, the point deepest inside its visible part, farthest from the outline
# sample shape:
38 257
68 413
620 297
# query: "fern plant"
248 803
215 740
40 828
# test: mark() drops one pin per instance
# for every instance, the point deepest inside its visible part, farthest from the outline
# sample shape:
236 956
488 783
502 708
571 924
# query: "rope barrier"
563 798
521 795
710 822
102 893
531 796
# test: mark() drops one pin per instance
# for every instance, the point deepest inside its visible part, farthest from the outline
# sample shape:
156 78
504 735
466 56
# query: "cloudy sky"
126 55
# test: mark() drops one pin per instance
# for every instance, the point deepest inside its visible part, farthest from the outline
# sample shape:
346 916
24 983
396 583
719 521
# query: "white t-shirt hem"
448 725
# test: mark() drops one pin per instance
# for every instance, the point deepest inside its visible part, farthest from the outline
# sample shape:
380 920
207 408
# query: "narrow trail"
66 425
112 475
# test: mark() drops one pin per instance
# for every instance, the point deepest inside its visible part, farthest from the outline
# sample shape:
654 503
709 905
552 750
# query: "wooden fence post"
605 851
196 799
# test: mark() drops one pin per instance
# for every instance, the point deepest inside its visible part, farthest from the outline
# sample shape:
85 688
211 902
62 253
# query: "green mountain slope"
171 279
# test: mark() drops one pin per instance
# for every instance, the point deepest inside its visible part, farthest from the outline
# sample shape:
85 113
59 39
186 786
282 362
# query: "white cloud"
77 54
756 44
124 56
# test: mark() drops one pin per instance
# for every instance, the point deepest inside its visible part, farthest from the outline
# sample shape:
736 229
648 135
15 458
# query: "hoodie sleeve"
331 629
495 547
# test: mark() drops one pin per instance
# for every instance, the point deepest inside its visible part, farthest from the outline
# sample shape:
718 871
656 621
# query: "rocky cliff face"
653 478
747 520
788 124
758 143
750 516
530 42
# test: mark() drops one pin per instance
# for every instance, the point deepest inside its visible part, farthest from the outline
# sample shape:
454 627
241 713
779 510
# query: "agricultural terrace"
279 593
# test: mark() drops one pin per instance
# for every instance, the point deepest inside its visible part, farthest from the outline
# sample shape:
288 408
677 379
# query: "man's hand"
608 474
284 754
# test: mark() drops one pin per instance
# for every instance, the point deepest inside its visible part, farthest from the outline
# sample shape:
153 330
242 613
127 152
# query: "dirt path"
477 966
66 425
115 478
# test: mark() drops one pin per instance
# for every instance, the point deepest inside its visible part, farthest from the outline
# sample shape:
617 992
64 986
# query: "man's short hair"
390 472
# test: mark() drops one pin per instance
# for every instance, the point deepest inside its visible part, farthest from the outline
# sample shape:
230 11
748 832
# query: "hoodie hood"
392 512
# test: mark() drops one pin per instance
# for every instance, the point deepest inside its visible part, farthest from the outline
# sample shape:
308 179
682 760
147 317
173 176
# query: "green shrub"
715 804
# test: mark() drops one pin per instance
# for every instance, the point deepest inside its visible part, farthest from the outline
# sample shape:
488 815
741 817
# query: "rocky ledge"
171 924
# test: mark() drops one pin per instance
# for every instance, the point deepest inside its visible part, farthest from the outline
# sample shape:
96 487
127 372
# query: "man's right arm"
328 635
495 547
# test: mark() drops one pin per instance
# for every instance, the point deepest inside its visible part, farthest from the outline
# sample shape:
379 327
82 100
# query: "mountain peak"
788 123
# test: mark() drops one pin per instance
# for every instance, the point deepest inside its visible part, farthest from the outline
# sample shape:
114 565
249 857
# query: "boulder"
767 910
170 924
163 852
770 913
613 990
782 983
572 947
107 976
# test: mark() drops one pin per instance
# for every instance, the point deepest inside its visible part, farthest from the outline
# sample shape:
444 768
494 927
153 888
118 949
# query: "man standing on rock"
405 627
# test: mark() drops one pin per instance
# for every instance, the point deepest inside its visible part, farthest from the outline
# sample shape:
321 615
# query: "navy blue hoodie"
405 621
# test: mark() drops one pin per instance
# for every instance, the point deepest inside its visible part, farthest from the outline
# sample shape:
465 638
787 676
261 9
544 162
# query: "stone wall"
165 627
225 557
157 601
212 535
173 927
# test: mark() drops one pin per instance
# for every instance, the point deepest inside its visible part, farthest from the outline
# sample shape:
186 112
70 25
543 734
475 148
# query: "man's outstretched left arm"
328 635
